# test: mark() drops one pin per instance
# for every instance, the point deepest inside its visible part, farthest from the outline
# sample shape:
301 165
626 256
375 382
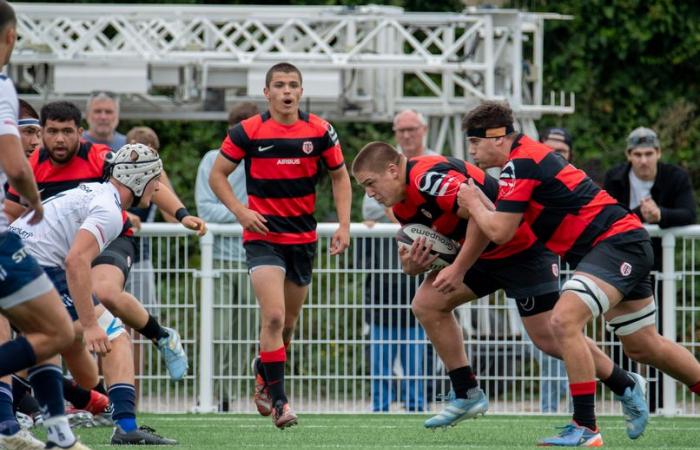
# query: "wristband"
181 214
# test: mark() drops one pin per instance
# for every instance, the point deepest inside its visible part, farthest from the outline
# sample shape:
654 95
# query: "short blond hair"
143 135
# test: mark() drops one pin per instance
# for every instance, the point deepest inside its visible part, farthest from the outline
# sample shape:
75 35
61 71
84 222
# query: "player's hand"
418 258
468 195
37 212
196 224
340 240
135 221
96 340
252 221
449 279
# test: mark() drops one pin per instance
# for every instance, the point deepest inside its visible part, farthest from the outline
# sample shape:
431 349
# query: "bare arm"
342 194
167 201
12 210
218 181
83 250
166 184
19 174
499 227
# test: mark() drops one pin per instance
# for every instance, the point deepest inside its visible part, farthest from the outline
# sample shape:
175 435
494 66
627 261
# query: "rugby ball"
445 248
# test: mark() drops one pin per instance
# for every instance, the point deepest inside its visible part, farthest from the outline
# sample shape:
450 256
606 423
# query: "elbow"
501 237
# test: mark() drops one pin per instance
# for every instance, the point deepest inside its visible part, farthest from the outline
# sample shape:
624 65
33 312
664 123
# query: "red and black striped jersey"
86 166
432 184
282 164
566 210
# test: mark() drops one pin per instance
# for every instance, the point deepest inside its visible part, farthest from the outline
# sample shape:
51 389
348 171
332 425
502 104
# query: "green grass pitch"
391 431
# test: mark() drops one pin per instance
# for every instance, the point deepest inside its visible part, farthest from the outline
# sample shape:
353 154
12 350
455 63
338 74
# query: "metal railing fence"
357 347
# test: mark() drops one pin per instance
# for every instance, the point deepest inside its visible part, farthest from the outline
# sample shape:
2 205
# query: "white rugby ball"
445 248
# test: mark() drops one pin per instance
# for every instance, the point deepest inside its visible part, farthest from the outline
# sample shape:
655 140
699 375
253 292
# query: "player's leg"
83 391
109 273
435 312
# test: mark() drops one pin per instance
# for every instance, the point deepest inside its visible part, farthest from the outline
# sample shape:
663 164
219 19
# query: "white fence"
333 360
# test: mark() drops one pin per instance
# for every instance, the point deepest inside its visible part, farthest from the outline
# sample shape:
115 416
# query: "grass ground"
391 431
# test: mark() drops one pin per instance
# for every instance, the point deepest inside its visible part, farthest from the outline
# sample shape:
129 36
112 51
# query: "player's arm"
218 181
165 183
342 194
78 261
12 209
167 201
499 227
20 177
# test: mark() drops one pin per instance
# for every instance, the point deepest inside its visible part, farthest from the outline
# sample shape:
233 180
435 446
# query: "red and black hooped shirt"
282 164
432 185
564 208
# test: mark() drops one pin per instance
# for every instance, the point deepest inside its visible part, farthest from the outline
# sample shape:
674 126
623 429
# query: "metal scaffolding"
359 63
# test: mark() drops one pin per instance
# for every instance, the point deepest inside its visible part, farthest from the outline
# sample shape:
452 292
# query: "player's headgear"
134 165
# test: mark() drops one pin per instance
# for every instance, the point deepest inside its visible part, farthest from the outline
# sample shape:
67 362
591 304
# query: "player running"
424 190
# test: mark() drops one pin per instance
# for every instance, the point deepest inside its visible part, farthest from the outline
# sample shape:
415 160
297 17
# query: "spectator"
658 193
559 140
386 294
29 127
233 325
102 115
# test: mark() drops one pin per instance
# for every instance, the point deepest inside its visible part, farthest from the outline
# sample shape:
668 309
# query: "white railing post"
206 344
668 286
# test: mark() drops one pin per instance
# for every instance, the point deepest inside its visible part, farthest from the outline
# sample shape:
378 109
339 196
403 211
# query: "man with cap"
657 192
559 140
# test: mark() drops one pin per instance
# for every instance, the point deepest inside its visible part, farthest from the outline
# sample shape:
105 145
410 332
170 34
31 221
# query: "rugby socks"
273 365
619 381
16 355
75 394
8 423
152 330
123 399
22 397
583 395
47 382
463 379
695 389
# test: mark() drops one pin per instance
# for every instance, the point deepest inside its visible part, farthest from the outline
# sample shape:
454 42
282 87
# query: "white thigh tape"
627 324
588 291
113 326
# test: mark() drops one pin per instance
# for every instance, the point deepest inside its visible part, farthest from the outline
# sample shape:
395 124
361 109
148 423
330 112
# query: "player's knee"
546 343
273 320
562 324
63 336
107 292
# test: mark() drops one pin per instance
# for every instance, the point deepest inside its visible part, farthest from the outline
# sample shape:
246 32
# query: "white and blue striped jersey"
9 111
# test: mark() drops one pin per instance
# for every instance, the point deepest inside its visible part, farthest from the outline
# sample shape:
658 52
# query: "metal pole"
668 281
206 348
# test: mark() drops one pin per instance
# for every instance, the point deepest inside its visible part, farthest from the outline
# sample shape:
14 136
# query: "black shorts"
624 261
297 260
120 253
532 276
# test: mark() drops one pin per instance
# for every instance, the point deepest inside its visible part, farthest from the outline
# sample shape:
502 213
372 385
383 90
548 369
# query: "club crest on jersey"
307 147
625 269
506 181
426 213
437 184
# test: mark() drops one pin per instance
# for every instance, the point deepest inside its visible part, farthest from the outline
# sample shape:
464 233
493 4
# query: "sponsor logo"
555 270
432 234
426 213
437 184
19 255
527 304
506 181
21 233
264 149
625 269
288 161
307 147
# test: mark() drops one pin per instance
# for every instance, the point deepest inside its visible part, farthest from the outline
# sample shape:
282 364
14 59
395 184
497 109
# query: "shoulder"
319 124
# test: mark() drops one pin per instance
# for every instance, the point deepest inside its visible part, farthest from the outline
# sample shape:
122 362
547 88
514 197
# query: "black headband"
490 132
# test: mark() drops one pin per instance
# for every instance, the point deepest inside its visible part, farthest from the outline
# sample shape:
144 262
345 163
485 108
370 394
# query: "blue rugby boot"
634 406
173 354
574 435
459 409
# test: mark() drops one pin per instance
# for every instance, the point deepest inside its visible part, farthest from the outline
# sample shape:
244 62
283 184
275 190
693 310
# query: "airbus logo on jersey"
506 182
289 161
437 184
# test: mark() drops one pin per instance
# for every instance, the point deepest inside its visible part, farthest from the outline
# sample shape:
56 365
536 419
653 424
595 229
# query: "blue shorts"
21 277
58 278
